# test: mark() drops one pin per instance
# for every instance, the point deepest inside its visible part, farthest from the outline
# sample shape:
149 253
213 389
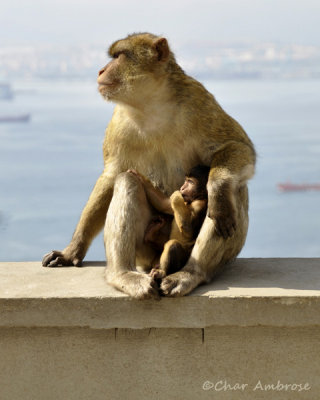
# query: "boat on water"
294 187
15 118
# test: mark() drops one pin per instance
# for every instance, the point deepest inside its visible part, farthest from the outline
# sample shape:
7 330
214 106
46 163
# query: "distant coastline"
205 61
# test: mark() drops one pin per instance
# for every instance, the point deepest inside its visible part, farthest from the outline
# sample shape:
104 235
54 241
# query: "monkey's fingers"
225 227
57 261
233 229
48 258
217 230
136 174
56 258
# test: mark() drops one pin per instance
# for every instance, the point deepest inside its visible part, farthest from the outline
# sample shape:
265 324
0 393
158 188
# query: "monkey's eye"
126 53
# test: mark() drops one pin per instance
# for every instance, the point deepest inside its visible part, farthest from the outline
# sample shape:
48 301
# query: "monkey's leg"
182 214
169 256
225 228
231 167
91 222
153 235
172 259
127 218
210 253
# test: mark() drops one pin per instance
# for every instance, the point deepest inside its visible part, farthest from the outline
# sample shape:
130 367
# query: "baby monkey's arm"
156 197
182 212
187 216
197 206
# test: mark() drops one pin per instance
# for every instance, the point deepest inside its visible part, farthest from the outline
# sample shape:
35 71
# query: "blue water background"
48 166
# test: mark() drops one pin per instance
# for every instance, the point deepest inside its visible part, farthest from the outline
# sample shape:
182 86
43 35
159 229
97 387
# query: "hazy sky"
102 21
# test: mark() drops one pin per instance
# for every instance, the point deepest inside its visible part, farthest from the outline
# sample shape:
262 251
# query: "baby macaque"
188 207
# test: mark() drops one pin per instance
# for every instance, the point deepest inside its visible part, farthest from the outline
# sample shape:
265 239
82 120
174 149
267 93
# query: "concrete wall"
65 334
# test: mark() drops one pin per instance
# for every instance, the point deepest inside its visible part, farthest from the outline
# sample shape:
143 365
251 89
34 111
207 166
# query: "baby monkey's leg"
173 258
157 232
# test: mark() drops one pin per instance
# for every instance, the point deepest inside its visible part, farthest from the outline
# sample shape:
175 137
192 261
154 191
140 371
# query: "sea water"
48 166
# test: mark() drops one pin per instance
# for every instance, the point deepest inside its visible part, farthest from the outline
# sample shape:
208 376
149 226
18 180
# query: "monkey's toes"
168 286
180 283
151 292
147 289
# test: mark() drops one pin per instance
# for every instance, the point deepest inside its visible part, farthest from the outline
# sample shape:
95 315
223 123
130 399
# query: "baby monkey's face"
189 189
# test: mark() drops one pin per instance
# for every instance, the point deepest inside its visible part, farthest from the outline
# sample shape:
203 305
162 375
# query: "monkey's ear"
162 47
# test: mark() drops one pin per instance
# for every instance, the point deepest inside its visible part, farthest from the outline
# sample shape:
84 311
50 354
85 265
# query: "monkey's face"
111 76
189 189
134 69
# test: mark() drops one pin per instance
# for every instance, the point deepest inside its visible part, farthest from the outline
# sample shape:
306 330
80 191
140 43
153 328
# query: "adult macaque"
164 123
188 207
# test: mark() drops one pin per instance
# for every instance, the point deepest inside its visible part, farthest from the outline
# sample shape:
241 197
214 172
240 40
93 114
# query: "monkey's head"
138 63
195 184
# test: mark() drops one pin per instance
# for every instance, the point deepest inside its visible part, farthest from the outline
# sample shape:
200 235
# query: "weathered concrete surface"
66 335
276 292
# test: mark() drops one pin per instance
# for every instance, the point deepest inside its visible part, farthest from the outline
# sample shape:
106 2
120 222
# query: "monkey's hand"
141 178
134 172
56 258
182 213
176 199
223 214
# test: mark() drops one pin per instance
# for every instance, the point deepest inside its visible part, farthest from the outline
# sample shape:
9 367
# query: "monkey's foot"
137 285
56 258
180 283
157 274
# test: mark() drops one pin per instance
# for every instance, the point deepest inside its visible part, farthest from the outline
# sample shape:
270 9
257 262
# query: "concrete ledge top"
278 292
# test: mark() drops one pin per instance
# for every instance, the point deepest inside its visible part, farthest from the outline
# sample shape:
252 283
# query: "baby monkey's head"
195 184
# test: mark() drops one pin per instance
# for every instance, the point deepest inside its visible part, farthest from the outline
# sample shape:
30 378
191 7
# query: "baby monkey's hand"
176 198
137 174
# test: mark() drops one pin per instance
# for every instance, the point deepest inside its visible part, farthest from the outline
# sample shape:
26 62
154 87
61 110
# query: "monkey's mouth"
108 89
106 85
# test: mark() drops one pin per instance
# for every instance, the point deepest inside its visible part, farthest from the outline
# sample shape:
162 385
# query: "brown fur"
185 226
164 123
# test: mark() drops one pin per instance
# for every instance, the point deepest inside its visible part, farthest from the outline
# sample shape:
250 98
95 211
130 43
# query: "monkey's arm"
197 206
156 197
232 165
182 213
91 222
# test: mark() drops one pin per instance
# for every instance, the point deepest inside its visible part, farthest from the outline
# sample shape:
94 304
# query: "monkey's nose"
101 71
